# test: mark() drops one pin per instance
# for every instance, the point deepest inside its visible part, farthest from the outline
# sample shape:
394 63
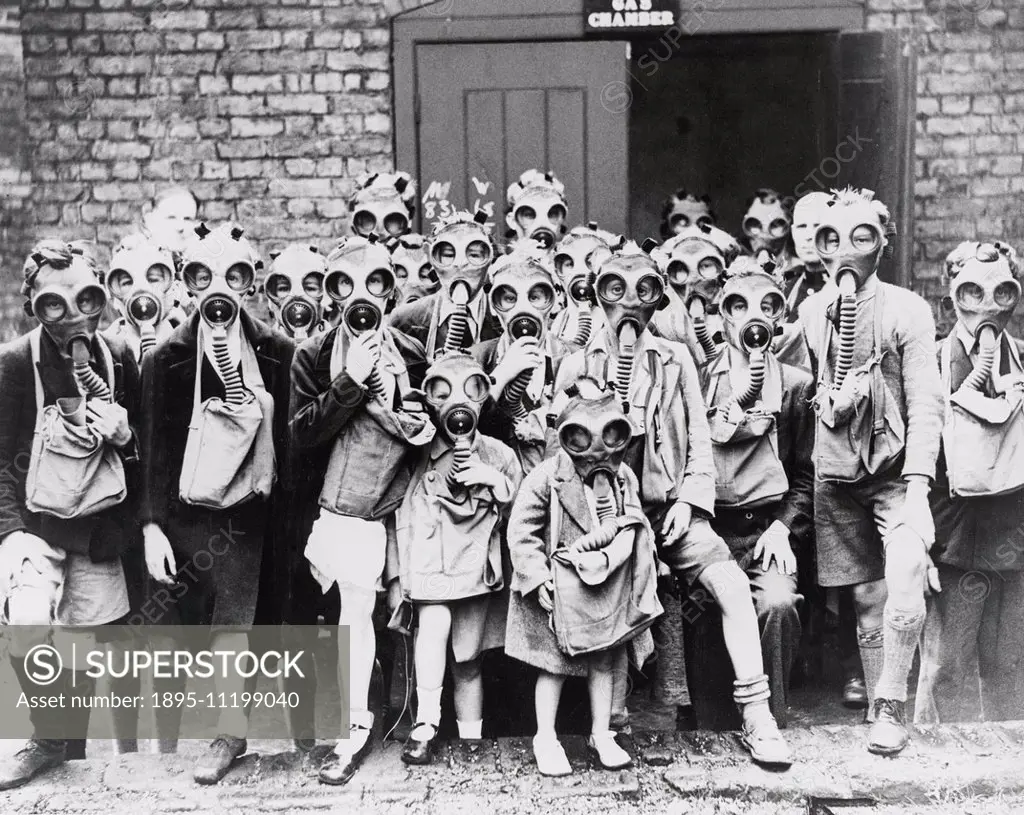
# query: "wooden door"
488 111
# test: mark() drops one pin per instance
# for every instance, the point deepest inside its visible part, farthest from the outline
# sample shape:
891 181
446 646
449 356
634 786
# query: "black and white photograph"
512 406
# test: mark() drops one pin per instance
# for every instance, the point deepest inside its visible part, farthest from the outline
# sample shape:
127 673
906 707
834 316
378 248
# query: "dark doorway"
725 115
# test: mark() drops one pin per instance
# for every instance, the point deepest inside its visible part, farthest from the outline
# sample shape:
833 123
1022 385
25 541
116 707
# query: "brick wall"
970 126
269 109
14 177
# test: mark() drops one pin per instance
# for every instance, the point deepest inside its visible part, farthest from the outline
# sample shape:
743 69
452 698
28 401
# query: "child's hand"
544 596
478 473
109 421
774 543
677 521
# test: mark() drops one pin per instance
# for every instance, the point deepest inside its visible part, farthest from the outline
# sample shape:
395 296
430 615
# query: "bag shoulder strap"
34 337
826 340
108 361
877 380
946 363
555 519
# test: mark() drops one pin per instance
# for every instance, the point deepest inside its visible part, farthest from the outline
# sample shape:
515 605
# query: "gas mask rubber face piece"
852 236
594 432
573 256
219 268
460 252
522 296
753 307
415 276
294 287
684 210
67 299
696 261
537 208
630 288
807 217
766 223
361 283
983 285
140 281
456 387
383 204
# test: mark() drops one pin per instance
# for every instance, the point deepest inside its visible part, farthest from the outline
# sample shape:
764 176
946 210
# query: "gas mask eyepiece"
983 284
683 210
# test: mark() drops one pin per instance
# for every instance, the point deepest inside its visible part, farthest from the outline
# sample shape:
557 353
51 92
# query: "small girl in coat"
447 549
576 529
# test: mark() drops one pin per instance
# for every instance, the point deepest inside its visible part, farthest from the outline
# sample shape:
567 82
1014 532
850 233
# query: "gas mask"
983 285
574 257
67 298
537 208
295 289
807 217
753 306
219 268
594 433
696 261
852 236
460 251
140 281
766 223
415 277
384 204
456 388
522 295
361 283
683 210
630 288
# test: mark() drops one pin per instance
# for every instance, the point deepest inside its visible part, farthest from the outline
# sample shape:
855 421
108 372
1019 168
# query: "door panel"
876 116
487 112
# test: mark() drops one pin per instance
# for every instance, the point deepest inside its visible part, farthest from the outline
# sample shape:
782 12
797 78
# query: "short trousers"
850 521
348 551
700 547
78 590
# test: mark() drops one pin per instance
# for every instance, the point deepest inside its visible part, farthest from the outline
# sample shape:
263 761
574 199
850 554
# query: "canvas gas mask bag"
72 472
229 455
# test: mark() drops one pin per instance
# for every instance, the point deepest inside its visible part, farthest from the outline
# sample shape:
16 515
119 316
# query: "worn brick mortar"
270 109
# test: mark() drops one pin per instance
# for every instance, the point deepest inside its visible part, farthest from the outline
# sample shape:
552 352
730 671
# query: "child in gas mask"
761 434
141 282
446 553
682 210
354 424
656 382
583 552
455 317
581 318
214 433
767 226
524 361
61 548
294 289
696 258
537 209
383 204
879 416
979 529
415 276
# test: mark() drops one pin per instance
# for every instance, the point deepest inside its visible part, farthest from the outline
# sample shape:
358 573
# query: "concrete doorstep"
832 762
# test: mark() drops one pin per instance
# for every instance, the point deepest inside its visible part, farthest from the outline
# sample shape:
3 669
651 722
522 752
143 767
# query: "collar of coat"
181 345
55 372
771 390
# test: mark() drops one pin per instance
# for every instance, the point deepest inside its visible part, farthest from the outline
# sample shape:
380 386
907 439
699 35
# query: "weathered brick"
257 83
247 128
212 85
297 103
187 20
255 40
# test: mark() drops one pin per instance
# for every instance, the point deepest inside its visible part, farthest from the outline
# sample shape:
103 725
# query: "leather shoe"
765 743
37 756
855 693
419 751
888 735
339 769
214 764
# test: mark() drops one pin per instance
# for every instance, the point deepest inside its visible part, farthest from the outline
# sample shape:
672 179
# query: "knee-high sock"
902 634
81 689
869 641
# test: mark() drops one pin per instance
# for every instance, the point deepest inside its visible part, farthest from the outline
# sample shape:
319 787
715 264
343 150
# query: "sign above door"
611 17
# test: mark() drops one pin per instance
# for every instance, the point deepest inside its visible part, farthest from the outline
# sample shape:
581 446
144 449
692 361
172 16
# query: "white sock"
360 730
428 710
471 730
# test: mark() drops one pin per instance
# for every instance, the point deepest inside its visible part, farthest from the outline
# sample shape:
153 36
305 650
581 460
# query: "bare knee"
868 601
727 583
468 671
